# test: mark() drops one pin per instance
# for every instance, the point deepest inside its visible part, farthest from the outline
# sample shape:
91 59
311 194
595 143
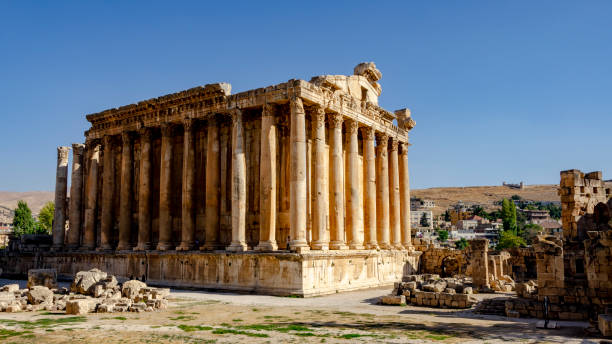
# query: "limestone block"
43 277
13 308
393 300
105 308
85 280
77 307
39 294
131 289
10 288
449 291
160 293
604 322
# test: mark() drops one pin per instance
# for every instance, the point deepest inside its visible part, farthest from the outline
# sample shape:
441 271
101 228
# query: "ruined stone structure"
316 168
574 272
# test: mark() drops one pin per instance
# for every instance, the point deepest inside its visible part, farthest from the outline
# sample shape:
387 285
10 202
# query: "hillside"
35 199
485 195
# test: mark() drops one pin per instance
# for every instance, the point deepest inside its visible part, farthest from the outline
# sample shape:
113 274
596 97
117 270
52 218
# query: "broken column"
61 187
480 269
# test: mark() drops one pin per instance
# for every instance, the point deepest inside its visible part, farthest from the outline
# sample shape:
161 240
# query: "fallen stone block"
42 277
84 281
393 300
39 294
13 308
77 307
131 289
10 288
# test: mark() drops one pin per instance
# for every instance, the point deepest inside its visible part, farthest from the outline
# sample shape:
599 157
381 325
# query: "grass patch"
353 335
245 333
4 333
190 328
437 337
119 318
45 322
184 318
255 310
236 320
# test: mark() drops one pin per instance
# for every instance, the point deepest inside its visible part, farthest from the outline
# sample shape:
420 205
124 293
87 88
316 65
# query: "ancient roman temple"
297 188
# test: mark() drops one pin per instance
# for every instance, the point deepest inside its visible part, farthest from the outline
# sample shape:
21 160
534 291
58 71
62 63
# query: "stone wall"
445 262
310 274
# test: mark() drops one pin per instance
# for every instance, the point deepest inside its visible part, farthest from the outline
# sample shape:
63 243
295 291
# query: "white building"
417 215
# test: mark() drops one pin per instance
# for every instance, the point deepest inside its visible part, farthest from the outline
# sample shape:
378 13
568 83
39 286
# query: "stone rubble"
91 291
432 291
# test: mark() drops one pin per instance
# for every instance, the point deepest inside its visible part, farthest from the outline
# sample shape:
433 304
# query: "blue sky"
500 90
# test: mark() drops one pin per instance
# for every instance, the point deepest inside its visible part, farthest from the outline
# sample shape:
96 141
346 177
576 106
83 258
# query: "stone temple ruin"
298 188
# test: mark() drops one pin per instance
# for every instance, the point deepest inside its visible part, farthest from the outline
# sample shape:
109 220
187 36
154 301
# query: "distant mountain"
484 195
35 199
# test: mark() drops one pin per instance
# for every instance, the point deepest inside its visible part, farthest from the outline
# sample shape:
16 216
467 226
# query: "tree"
442 235
462 244
507 239
531 231
447 216
23 222
516 197
508 215
45 217
424 222
477 210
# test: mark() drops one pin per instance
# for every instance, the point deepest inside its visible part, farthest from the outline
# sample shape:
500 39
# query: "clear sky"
500 90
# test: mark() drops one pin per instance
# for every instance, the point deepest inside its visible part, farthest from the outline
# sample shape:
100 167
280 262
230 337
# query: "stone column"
188 216
144 191
91 197
126 197
319 176
394 201
108 187
76 197
480 267
369 162
352 176
238 187
405 197
297 201
382 191
213 188
267 175
338 239
61 188
165 184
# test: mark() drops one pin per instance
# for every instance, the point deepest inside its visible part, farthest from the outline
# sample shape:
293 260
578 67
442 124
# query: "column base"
319 245
142 247
57 247
409 247
338 245
105 247
87 248
372 246
237 246
299 246
213 246
356 246
186 246
386 246
164 246
398 246
124 247
72 247
268 245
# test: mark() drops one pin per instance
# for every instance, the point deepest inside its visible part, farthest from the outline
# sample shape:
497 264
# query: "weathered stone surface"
393 300
10 288
77 307
84 281
604 322
130 289
39 294
42 277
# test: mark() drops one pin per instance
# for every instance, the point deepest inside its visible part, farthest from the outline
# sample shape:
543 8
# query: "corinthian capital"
335 120
368 133
394 144
352 126
297 106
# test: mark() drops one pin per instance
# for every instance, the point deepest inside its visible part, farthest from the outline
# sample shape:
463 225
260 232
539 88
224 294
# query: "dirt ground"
208 317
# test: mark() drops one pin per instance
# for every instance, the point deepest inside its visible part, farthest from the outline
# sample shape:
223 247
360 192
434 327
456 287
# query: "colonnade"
334 189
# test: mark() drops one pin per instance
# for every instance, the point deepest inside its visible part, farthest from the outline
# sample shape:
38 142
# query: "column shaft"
238 186
395 196
352 176
405 197
319 176
382 191
76 197
188 216
89 236
165 189
126 196
213 188
369 188
267 175
144 192
61 188
298 207
338 238
108 187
